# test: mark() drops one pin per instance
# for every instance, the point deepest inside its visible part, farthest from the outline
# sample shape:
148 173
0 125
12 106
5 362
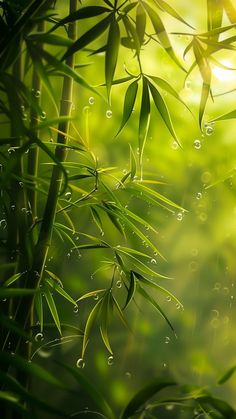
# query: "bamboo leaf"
227 375
83 13
90 294
132 39
119 311
153 302
148 191
96 218
228 115
91 390
12 279
89 324
163 110
143 396
89 36
51 39
112 50
53 309
129 101
60 291
133 165
16 292
144 118
230 10
39 309
140 23
131 290
105 314
168 9
214 14
161 33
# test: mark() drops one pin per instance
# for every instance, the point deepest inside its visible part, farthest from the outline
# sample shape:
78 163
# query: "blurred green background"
199 245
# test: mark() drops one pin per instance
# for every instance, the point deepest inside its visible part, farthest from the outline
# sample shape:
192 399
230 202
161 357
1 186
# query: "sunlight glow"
223 74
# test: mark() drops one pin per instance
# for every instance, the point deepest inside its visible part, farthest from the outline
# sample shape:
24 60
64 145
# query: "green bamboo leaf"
39 309
151 192
214 14
112 50
119 311
227 375
13 400
143 396
10 397
153 302
49 38
129 101
163 110
168 9
140 23
131 290
92 246
91 390
30 368
144 118
96 218
133 165
89 324
133 251
83 13
230 10
16 292
205 71
128 7
219 405
152 284
89 36
53 309
60 291
228 115
90 294
132 40
12 279
140 265
105 315
161 33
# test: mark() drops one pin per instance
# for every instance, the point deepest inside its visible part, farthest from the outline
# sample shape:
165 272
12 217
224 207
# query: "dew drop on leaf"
80 363
3 224
68 196
119 284
167 339
91 100
76 309
39 337
198 195
179 216
109 113
174 145
43 115
110 360
153 261
197 144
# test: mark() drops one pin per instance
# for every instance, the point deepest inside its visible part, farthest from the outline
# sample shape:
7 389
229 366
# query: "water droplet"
80 363
39 337
168 298
44 353
193 266
164 365
167 339
119 284
37 93
179 216
43 115
153 261
209 129
178 306
110 360
203 217
11 150
128 375
169 407
225 290
76 309
217 286
198 195
175 145
3 224
24 116
68 196
197 144
91 100
109 113
21 184
95 297
147 228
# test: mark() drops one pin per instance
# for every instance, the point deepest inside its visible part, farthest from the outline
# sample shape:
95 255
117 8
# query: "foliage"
51 176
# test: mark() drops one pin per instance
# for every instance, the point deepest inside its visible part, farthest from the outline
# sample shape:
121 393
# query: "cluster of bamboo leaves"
42 189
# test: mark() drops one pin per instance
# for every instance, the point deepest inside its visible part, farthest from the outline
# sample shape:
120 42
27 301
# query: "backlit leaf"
112 50
144 118
89 324
53 309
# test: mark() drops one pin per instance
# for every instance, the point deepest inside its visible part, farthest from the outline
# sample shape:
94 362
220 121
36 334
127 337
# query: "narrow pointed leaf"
112 50
144 118
51 39
228 115
214 14
90 294
120 312
16 292
89 324
129 101
131 289
60 291
153 302
12 279
96 218
227 375
132 38
88 37
53 309
140 23
163 110
161 33
133 165
168 9
230 10
105 315
83 13
143 396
